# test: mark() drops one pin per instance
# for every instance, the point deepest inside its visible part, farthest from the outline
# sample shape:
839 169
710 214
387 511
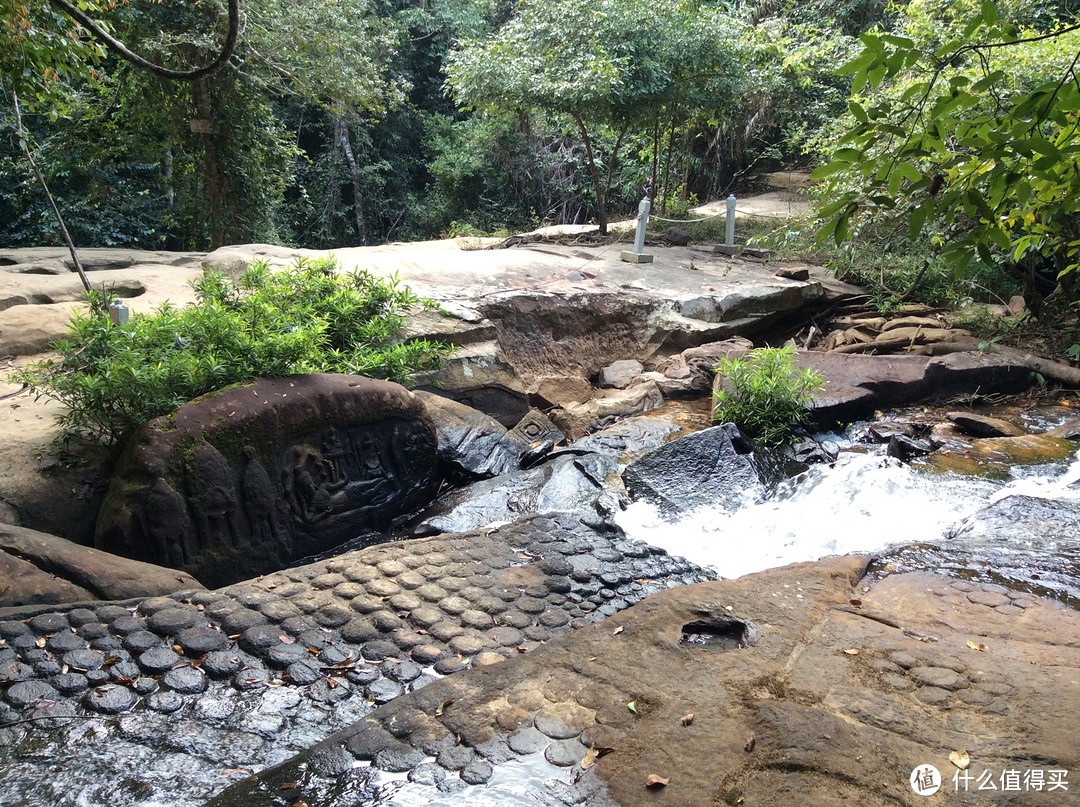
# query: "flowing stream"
1019 525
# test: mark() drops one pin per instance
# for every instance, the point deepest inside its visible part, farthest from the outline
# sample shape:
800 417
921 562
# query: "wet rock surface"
246 480
198 688
38 568
841 697
717 467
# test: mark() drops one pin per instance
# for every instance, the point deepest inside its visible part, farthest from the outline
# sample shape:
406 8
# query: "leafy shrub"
764 393
308 318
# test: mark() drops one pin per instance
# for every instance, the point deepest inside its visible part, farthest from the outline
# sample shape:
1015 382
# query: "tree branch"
162 72
21 133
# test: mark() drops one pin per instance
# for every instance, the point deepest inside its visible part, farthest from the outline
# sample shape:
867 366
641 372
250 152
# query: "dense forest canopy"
342 122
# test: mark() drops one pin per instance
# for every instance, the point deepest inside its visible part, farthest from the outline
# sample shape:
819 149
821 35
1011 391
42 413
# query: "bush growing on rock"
307 318
764 393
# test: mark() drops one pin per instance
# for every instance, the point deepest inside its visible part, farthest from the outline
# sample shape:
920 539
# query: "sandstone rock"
983 426
877 689
991 455
479 376
561 390
620 374
561 334
470 441
36 568
856 385
242 481
1069 430
716 467
577 421
692 370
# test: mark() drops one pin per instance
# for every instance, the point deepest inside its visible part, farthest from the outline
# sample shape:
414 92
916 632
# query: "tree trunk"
358 197
212 174
601 194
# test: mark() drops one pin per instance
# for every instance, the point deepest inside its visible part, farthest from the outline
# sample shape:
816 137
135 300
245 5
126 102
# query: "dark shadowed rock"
567 483
241 481
470 441
36 568
717 467
677 237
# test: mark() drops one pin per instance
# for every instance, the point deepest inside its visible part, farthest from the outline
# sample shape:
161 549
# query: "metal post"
637 255
643 220
730 240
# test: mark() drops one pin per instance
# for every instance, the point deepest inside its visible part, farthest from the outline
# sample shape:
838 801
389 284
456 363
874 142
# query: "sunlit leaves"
960 124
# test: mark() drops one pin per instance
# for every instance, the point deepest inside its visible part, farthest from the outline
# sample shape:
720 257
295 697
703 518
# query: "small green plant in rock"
764 393
308 318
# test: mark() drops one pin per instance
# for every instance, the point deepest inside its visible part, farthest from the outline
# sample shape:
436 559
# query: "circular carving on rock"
185 680
199 641
158 659
110 699
63 642
49 623
170 621
25 694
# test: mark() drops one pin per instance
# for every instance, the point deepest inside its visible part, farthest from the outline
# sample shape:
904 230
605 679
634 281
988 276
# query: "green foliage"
764 393
964 121
604 63
308 318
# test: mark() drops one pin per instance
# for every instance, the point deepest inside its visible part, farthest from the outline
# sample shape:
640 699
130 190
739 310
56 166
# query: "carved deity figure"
165 522
260 500
310 487
212 496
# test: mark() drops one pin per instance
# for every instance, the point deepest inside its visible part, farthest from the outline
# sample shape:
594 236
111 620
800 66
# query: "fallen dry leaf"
617 631
40 642
590 758
751 741
285 639
655 780
980 647
960 759
442 708
688 719
852 651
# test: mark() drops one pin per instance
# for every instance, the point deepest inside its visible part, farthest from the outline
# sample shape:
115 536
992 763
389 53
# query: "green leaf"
915 223
830 168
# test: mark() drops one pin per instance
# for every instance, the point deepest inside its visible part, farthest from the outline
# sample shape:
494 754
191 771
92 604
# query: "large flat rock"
798 685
